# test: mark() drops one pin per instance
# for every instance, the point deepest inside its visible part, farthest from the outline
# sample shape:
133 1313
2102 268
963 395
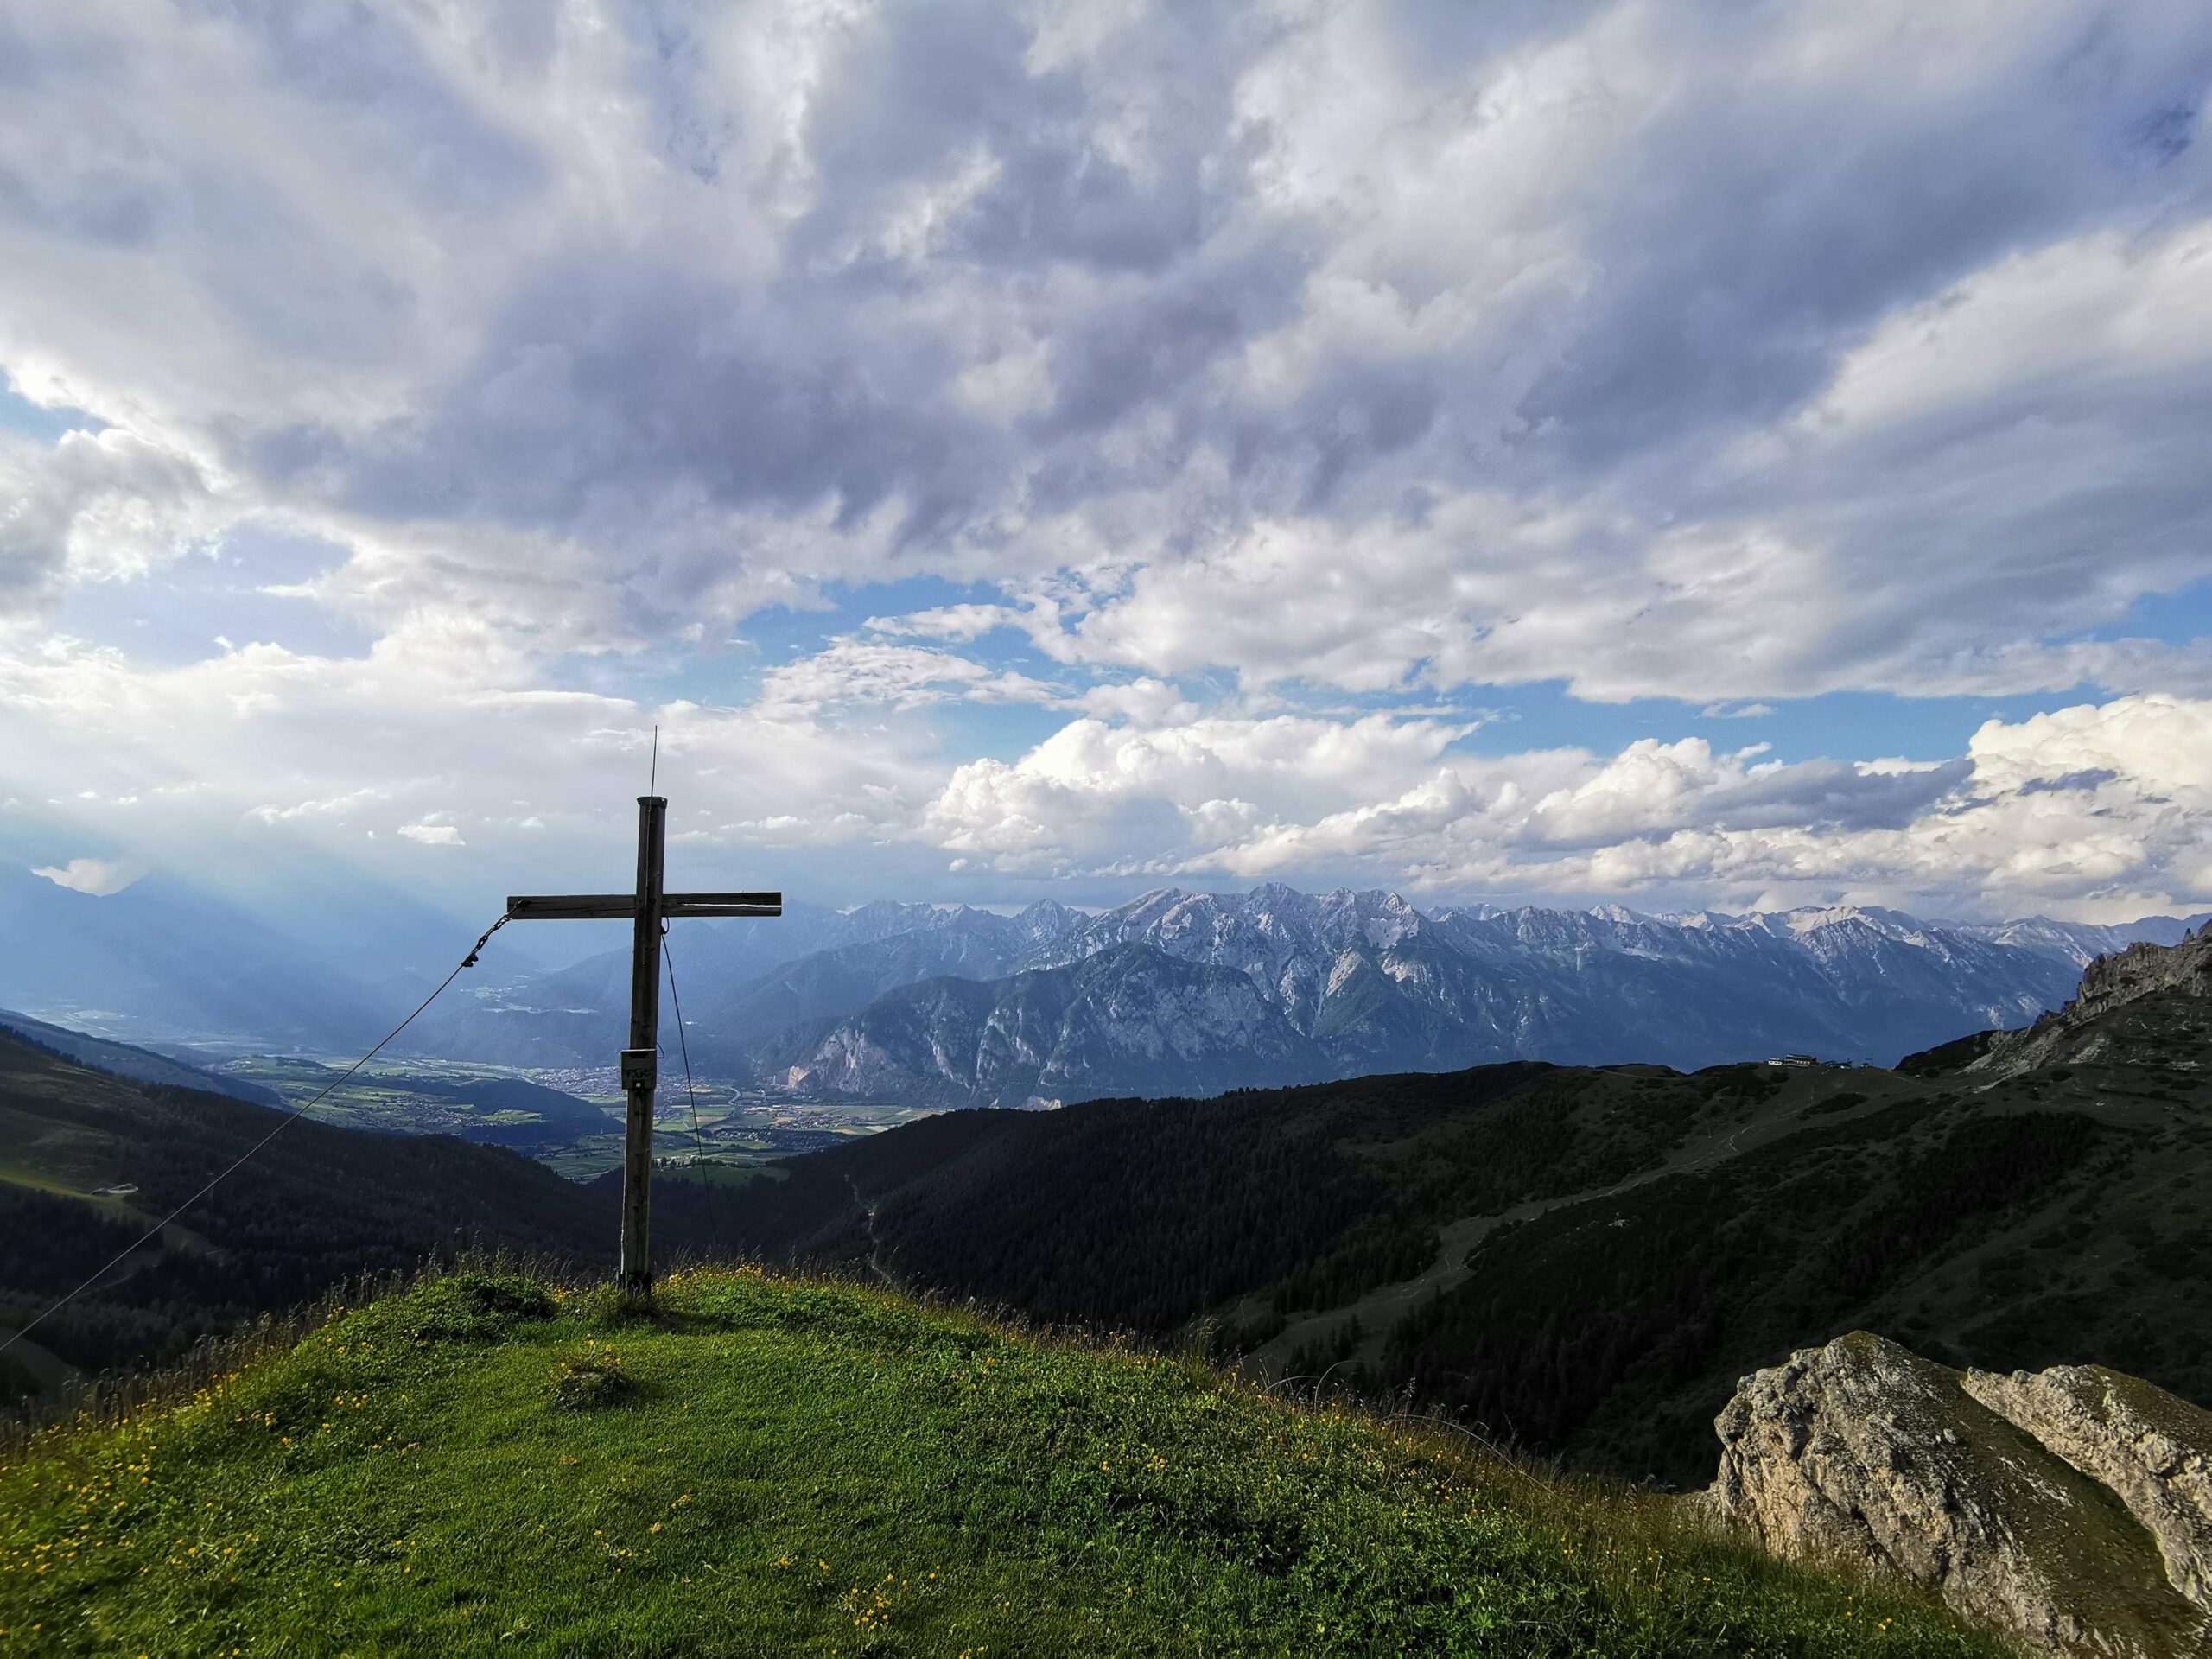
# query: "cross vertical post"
641 1060
645 908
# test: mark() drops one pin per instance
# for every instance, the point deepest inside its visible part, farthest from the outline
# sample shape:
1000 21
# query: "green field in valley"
427 1097
570 1120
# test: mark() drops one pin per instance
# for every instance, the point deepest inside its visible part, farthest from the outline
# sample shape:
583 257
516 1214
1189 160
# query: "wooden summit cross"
648 909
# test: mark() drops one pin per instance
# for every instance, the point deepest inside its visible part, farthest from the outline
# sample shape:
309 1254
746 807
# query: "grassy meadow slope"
1584 1260
771 1465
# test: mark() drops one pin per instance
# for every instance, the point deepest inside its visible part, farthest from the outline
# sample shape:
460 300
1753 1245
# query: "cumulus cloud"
333 806
856 672
1229 385
95 506
1146 799
96 876
960 623
1143 702
2153 745
2130 826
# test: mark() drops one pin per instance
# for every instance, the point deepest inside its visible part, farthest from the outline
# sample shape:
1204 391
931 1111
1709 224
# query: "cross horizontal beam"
622 907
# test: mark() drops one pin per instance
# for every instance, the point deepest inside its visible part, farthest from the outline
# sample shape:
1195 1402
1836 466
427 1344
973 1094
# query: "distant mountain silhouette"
1353 982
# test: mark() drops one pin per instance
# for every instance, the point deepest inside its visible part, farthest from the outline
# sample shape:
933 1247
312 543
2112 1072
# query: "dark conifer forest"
1581 1261
316 1207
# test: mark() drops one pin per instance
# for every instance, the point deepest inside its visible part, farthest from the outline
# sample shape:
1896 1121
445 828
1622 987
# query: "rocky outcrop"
2154 1451
1865 1450
2122 1012
2142 968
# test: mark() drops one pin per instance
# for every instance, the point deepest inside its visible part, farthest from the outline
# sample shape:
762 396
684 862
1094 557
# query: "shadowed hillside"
89 1161
1585 1260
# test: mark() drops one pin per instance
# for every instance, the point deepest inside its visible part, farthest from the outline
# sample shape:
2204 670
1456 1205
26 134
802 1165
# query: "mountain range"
1584 1257
956 1006
1187 992
1582 1260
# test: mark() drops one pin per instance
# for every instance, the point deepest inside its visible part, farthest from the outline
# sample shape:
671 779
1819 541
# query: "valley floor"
773 1465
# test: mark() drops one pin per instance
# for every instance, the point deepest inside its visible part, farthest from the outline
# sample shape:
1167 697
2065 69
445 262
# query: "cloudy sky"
1659 451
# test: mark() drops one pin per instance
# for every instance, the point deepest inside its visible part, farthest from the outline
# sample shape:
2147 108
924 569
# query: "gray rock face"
1131 1020
1863 1449
2144 968
2153 1450
2124 999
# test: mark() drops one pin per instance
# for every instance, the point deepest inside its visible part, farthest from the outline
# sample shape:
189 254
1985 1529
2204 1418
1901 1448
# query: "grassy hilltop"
772 1465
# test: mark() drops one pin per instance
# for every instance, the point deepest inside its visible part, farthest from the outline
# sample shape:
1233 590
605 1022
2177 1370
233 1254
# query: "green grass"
727 1170
774 1465
414 1096
594 1155
410 1098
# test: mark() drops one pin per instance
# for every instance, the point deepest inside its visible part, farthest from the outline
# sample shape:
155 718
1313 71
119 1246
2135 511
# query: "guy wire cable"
245 1157
684 1047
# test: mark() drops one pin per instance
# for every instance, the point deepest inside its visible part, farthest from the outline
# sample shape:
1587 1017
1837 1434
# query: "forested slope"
1582 1260
316 1206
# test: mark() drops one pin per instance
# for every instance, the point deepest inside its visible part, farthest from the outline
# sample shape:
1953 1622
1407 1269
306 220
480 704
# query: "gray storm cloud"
1663 350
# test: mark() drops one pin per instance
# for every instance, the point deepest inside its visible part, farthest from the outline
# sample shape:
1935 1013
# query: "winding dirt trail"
1381 1309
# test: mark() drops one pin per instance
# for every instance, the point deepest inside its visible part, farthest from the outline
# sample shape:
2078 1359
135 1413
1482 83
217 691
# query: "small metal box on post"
648 909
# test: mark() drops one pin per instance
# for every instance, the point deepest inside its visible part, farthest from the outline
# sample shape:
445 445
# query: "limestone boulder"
1862 1449
2152 1449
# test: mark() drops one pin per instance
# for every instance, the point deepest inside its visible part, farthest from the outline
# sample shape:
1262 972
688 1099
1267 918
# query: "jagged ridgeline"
1180 992
1585 1260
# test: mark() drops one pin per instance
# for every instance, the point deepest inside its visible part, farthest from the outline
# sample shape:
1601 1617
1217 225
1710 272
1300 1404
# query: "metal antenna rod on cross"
647 908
